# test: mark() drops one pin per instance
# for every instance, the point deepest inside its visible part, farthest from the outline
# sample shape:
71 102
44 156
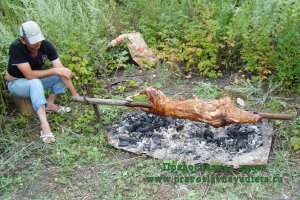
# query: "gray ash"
171 138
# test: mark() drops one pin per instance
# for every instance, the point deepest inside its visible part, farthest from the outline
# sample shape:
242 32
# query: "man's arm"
67 81
31 74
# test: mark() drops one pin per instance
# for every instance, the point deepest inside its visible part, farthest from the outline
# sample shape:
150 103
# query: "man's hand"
65 72
60 69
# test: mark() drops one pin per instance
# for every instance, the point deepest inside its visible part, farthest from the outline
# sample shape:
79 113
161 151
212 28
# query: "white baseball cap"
31 32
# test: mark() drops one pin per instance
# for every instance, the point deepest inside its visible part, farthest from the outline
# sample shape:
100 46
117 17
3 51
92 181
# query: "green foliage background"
259 39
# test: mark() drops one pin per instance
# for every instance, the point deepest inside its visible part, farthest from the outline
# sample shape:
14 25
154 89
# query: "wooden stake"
91 94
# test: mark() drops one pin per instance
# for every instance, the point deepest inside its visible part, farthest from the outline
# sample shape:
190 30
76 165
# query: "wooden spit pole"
112 102
115 102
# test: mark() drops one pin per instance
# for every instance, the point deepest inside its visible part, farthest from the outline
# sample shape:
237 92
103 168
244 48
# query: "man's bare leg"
52 97
41 112
51 105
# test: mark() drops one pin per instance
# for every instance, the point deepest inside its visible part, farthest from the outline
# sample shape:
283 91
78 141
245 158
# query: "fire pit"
193 142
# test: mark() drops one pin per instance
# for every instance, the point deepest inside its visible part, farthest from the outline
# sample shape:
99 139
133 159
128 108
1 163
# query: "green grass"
206 90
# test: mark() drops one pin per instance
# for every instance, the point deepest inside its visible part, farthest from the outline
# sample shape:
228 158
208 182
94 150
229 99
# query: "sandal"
61 109
64 109
45 137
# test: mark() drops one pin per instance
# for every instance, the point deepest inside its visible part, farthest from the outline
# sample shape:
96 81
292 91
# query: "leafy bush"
75 60
286 59
114 58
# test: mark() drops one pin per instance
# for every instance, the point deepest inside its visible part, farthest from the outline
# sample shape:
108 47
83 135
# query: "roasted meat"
216 113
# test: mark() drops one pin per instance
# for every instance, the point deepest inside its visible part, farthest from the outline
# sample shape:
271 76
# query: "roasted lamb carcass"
216 113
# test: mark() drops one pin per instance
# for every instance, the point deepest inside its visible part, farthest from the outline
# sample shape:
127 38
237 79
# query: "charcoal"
147 146
218 142
145 129
161 123
234 131
179 128
260 143
189 151
208 134
136 124
156 139
197 157
222 141
148 134
133 141
210 140
127 141
128 128
123 142
137 135
181 137
240 144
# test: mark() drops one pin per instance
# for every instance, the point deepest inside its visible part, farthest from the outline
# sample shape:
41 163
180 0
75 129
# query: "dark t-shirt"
18 53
